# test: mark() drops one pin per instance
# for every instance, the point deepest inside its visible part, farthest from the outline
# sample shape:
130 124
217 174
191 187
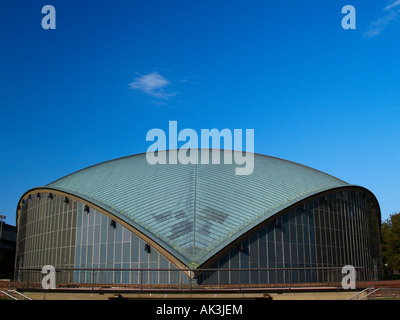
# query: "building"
8 239
126 221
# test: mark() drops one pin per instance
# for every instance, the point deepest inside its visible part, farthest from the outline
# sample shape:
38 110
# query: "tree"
390 243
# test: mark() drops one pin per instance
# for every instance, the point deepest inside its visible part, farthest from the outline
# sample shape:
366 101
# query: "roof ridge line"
194 205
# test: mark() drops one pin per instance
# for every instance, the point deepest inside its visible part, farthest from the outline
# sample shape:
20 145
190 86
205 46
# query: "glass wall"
54 230
310 243
331 231
46 233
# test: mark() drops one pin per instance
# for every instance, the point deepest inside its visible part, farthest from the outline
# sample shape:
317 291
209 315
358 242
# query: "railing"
189 279
24 297
8 295
369 295
372 293
383 294
11 294
361 294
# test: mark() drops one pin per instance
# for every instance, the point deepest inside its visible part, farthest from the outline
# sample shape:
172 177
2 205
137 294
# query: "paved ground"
278 293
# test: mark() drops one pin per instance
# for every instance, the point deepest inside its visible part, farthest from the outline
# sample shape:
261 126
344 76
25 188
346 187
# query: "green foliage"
390 243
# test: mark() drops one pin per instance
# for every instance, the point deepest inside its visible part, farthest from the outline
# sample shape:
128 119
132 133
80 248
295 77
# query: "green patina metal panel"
194 210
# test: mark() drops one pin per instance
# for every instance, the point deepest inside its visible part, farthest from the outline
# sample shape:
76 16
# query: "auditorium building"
129 222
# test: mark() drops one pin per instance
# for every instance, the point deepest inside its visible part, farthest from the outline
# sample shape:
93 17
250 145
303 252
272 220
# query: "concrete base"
49 295
52 295
340 295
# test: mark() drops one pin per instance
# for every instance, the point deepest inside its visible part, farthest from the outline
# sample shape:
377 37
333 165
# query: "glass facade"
301 245
64 233
46 232
298 246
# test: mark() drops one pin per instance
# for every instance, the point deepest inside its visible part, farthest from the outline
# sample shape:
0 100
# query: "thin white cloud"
392 5
391 13
152 84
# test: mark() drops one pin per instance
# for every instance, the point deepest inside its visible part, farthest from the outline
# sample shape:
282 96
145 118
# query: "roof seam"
194 205
212 197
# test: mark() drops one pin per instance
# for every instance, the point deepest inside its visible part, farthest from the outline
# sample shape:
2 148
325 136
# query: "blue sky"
89 90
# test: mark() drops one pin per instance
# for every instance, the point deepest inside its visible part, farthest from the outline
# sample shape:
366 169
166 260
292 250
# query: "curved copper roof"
194 210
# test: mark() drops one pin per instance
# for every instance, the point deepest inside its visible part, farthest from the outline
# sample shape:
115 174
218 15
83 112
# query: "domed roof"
194 210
